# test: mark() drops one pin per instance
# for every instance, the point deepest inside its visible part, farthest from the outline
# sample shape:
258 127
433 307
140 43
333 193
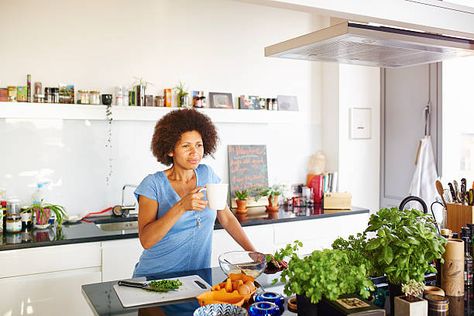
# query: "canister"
13 206
12 93
13 223
168 97
83 96
94 97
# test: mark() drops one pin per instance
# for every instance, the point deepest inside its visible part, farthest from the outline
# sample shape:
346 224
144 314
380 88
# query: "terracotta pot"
273 203
241 206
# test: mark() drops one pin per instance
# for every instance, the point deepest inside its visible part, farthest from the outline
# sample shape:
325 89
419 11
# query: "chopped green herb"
164 285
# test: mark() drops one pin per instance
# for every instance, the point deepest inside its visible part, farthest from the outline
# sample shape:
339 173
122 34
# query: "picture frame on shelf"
249 102
287 103
221 100
199 99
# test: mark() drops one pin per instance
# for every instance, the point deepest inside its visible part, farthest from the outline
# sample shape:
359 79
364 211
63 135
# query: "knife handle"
131 284
453 193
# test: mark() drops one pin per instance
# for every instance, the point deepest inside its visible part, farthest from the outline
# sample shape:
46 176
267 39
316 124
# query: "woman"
174 223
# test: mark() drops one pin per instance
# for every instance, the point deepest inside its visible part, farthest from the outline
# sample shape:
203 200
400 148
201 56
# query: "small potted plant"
182 95
406 243
327 273
42 214
273 193
411 304
241 200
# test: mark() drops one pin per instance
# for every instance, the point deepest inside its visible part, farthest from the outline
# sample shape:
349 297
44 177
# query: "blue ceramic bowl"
220 310
264 309
271 297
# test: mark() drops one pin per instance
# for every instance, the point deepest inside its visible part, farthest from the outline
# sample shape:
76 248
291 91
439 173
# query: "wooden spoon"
440 189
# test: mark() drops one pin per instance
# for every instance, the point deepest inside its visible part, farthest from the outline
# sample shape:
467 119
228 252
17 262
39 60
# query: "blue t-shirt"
188 244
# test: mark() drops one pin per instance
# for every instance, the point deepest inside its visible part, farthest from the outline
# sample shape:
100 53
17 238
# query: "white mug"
217 195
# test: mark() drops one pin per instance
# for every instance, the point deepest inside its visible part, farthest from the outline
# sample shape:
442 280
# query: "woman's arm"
232 226
152 230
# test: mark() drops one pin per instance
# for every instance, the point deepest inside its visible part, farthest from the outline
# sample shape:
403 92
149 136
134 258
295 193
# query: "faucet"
423 205
124 210
123 192
414 198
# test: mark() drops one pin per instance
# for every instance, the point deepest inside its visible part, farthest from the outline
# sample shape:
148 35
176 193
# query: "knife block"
458 215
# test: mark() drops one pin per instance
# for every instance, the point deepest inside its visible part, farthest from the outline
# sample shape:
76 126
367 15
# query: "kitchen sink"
129 226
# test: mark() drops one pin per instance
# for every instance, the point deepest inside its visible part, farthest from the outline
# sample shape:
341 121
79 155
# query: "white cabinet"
119 258
47 280
316 233
261 237
319 233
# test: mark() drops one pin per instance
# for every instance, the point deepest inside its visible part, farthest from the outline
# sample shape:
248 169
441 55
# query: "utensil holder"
459 215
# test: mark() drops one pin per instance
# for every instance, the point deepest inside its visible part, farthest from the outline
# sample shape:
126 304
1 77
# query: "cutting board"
130 296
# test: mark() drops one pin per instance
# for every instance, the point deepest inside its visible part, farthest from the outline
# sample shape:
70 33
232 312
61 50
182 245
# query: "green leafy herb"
164 285
355 248
404 245
328 273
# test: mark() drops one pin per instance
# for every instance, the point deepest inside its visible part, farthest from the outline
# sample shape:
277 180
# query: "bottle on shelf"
467 263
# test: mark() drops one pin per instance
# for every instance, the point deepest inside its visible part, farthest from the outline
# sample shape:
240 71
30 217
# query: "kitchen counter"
103 300
89 232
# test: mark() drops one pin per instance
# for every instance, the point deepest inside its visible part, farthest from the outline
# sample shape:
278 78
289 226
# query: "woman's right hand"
193 201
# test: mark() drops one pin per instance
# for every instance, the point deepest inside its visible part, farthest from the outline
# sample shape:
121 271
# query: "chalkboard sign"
247 167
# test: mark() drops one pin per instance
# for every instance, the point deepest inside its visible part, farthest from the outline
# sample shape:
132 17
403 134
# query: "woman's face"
188 151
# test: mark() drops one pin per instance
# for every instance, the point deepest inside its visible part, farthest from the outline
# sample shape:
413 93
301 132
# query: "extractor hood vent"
369 45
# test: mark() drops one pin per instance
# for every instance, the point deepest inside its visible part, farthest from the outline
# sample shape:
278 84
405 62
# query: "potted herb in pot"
273 193
411 304
325 274
42 214
241 200
182 95
406 242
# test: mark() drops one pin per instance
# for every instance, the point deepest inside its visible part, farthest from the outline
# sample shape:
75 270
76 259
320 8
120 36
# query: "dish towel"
423 181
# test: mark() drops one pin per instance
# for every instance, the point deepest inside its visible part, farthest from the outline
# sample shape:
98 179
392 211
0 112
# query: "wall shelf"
19 110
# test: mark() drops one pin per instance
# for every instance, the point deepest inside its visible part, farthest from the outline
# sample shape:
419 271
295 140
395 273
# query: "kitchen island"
103 299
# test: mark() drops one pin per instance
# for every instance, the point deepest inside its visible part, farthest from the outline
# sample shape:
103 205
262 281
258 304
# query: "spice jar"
13 223
83 96
94 97
26 218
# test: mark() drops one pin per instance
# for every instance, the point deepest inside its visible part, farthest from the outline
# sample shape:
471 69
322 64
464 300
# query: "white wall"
458 113
211 45
359 159
356 160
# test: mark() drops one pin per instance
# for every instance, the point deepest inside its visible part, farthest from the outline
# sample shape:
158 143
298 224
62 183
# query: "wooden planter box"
459 215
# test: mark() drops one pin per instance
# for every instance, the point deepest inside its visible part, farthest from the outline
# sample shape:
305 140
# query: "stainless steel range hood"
365 44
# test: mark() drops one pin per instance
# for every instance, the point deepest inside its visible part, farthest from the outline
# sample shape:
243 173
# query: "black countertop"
103 299
88 231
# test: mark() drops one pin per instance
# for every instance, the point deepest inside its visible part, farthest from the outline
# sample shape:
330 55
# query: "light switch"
360 123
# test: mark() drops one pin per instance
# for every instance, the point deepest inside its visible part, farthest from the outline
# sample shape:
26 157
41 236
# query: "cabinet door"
405 94
54 293
261 237
119 258
49 259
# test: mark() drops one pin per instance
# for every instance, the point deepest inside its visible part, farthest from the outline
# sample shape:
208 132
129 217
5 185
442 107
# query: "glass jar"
13 206
83 96
271 297
13 223
264 309
26 219
94 97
